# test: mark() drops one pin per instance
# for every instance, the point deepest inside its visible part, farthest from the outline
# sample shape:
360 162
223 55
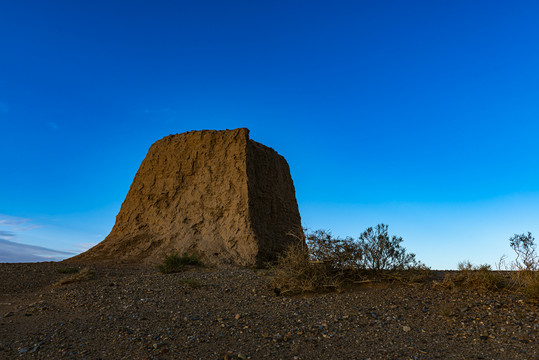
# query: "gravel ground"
233 313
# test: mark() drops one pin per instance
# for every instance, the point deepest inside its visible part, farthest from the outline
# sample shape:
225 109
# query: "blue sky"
423 115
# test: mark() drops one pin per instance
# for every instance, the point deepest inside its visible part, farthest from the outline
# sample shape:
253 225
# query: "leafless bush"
373 250
381 252
321 261
339 254
525 249
524 270
295 272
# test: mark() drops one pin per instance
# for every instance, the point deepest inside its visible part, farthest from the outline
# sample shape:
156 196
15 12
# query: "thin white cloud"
81 247
15 252
5 235
15 223
12 220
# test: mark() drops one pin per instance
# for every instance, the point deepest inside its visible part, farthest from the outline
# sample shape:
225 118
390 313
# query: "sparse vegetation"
191 283
374 250
525 249
68 270
82 275
328 263
469 275
525 268
521 275
296 272
175 263
381 252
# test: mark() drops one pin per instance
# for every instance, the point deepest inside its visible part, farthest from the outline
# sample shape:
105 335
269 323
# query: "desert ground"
126 312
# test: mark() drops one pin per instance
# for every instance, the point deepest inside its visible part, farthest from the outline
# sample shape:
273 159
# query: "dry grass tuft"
296 273
174 263
524 282
472 276
191 283
83 275
68 270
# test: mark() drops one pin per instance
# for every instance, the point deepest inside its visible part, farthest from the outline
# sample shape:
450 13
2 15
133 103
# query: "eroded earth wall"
216 193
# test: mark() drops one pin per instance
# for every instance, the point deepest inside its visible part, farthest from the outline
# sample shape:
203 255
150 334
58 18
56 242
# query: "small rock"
23 351
237 317
406 328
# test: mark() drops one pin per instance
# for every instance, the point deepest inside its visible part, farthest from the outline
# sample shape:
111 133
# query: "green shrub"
175 263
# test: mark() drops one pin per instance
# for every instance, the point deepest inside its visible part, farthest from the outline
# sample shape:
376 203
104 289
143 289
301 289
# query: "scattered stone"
148 310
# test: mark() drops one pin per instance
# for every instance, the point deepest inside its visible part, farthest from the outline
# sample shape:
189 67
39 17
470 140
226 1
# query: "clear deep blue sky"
423 115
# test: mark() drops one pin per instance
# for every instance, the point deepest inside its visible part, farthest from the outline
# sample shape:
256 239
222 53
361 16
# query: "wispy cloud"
81 247
15 223
15 252
12 220
4 235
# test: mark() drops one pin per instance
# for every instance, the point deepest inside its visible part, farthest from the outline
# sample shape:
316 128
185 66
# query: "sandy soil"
230 313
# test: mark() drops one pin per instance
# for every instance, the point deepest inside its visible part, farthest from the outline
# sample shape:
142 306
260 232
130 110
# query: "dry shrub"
191 283
374 250
529 282
524 270
83 275
525 249
68 270
296 273
339 254
472 276
415 274
174 263
381 252
321 262
525 282
520 276
521 279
